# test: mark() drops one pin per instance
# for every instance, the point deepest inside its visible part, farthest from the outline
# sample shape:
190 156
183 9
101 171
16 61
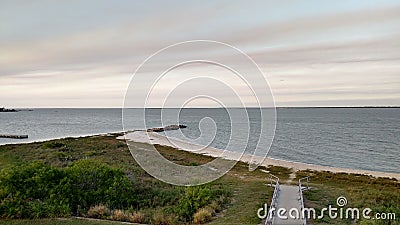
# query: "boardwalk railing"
274 201
301 188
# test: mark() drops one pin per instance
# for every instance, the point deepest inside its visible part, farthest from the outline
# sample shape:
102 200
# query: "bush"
136 217
86 187
98 212
161 218
90 183
39 209
195 198
119 215
33 180
25 191
36 190
203 215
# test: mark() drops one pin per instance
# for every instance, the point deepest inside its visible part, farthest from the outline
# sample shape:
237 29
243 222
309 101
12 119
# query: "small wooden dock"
14 136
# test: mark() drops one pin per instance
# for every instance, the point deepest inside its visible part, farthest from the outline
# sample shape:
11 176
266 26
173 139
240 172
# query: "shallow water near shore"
357 138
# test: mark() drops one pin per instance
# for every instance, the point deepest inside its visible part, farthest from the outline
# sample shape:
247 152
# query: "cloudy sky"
313 53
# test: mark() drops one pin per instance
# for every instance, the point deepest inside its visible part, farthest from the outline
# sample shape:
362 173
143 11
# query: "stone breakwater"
169 127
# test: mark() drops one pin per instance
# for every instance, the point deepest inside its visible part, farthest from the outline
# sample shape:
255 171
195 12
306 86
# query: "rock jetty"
7 110
14 136
169 127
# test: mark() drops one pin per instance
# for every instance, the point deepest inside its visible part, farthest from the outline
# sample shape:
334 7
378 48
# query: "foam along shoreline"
143 137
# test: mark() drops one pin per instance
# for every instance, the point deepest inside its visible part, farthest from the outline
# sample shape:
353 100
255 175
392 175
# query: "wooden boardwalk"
289 198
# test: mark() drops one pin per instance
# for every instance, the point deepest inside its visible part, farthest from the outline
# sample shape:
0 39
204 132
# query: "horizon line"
204 107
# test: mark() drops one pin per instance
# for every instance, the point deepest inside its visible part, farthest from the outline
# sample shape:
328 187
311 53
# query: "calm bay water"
359 138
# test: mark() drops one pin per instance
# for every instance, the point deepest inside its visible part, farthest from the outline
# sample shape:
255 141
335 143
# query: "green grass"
248 198
361 191
61 221
282 172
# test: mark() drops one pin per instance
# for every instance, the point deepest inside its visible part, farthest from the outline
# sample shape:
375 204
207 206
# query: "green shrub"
86 187
90 183
11 208
195 198
53 145
36 190
33 180
25 192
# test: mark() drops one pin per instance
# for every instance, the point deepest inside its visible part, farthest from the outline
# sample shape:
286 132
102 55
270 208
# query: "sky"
312 53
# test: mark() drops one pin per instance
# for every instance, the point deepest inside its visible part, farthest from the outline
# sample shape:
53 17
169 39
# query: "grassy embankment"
97 177
381 195
232 199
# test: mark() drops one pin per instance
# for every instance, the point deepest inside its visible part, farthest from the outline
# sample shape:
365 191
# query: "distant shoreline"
60 138
277 107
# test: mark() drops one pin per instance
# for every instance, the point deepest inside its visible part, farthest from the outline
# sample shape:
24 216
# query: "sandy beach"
154 138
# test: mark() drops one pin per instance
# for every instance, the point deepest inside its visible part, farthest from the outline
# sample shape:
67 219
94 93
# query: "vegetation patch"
53 144
279 171
96 177
382 195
